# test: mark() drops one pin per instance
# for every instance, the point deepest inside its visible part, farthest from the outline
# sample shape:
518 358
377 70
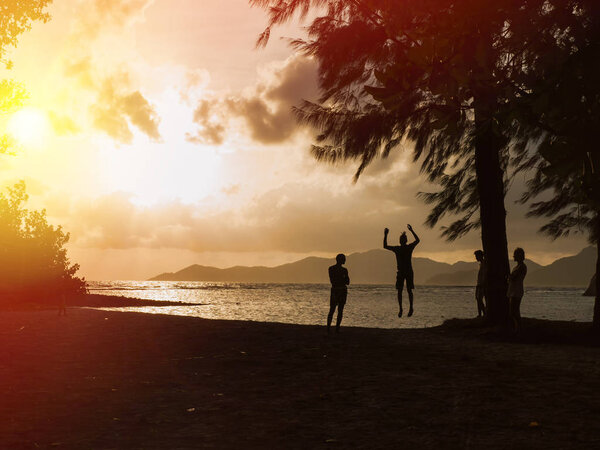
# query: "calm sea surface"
372 306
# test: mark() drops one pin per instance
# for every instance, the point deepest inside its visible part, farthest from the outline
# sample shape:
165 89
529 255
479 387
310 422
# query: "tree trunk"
596 320
490 187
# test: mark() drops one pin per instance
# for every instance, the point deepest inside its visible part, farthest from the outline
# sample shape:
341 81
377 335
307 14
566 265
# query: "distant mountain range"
379 267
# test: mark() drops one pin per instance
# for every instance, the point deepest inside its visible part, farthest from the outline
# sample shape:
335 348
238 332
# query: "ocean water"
373 306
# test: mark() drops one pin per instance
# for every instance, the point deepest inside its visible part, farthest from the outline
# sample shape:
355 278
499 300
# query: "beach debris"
534 424
330 441
191 409
116 419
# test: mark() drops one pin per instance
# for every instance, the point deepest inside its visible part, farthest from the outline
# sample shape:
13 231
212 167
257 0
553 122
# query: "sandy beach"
103 380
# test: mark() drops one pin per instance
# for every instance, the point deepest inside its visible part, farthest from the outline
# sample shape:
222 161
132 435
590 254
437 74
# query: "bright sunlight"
30 127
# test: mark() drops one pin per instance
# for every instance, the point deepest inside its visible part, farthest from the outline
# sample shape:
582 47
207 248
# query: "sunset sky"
158 136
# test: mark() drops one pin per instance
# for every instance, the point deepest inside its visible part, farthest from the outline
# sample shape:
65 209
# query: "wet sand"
101 380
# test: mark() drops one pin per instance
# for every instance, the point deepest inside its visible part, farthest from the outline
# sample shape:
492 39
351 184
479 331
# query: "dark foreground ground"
103 380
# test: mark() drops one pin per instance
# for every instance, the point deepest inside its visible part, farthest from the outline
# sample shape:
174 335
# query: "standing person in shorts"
516 290
480 289
338 275
404 264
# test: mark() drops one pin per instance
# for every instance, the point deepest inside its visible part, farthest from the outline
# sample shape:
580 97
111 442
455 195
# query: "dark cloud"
267 110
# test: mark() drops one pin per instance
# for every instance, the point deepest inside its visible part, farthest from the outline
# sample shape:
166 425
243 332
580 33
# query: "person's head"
341 258
519 254
479 255
403 238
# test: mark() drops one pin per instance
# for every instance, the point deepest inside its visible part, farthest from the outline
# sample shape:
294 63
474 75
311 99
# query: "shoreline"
104 379
91 301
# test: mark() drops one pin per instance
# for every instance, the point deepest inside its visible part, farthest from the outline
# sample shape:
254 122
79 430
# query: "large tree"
561 116
441 75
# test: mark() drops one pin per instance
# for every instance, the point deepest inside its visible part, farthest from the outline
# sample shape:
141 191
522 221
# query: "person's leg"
518 315
332 305
479 299
399 287
400 302
410 285
513 314
330 316
340 314
483 303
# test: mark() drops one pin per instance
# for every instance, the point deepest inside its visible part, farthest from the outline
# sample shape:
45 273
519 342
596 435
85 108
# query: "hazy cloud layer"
265 109
96 15
295 218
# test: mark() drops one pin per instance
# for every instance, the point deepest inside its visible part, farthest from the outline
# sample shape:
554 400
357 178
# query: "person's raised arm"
385 234
417 240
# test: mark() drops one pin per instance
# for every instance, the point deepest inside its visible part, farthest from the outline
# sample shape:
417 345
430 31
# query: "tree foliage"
563 118
16 17
33 258
408 72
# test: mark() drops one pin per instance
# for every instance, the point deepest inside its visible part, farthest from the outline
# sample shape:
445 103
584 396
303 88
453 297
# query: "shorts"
338 297
410 280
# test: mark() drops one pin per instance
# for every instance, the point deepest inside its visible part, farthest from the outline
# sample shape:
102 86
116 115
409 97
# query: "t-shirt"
404 256
515 280
338 275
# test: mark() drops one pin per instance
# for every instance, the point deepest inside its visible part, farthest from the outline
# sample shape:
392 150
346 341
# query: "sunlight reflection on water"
373 306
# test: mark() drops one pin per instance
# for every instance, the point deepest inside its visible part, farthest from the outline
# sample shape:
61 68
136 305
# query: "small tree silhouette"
33 261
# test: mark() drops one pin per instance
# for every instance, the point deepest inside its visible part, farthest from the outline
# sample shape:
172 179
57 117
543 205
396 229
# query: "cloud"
295 217
265 109
231 189
96 15
120 11
62 125
117 107
210 120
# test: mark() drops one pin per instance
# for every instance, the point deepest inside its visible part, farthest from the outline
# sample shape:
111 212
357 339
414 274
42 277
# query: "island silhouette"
378 267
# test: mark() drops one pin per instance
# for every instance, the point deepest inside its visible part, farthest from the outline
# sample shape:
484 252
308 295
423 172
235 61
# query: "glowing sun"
30 127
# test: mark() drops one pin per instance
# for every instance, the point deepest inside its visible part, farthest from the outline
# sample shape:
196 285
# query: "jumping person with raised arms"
403 254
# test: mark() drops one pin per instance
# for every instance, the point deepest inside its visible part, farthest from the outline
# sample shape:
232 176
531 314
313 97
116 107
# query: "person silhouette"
338 275
515 289
480 289
403 254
